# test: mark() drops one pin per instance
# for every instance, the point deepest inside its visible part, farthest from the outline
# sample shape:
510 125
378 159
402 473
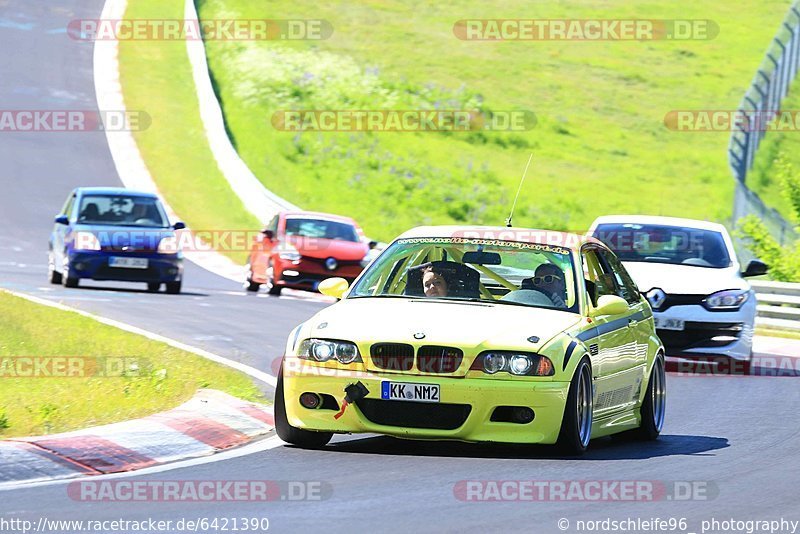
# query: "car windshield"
122 210
477 270
321 228
665 244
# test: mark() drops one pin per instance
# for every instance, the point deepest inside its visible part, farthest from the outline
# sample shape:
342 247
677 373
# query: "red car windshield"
321 228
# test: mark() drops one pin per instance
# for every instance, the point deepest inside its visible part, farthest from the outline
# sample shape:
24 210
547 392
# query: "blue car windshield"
122 210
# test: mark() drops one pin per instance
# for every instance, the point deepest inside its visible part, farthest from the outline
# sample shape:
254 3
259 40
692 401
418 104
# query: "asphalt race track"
39 169
735 438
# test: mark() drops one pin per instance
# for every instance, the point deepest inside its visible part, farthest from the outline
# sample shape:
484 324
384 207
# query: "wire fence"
760 104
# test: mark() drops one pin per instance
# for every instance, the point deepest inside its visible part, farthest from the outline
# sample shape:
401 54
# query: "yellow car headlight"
323 350
515 363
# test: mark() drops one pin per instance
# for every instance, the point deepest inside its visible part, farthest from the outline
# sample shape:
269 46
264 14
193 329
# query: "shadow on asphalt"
142 291
600 449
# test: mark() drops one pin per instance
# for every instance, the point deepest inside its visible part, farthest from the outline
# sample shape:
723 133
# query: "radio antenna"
522 180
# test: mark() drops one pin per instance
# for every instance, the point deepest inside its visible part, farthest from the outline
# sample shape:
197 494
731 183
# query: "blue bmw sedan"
118 234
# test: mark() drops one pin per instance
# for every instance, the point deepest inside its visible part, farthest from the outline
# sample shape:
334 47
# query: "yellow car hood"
469 326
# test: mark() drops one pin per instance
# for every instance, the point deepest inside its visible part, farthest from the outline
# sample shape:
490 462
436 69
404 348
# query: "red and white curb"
210 422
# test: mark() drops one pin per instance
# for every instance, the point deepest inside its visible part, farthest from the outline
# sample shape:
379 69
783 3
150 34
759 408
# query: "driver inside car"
433 282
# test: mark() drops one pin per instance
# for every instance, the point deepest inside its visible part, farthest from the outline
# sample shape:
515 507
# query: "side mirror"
755 268
62 219
268 234
333 287
610 305
178 226
372 244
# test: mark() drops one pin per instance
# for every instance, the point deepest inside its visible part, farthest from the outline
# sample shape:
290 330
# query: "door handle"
632 323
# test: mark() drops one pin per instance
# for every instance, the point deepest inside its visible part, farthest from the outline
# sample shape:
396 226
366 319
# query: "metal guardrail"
778 305
766 92
761 102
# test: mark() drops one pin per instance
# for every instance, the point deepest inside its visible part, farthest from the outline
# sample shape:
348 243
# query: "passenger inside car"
549 279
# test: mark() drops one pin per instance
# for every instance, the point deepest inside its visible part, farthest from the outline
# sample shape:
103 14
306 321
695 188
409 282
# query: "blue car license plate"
129 263
405 391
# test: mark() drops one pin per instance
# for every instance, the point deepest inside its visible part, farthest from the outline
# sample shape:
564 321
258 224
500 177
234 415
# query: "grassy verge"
147 376
156 77
777 333
778 154
600 144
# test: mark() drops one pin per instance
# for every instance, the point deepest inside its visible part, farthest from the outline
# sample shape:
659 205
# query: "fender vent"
594 349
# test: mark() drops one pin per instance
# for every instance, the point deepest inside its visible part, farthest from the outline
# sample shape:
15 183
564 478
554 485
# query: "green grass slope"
600 145
146 376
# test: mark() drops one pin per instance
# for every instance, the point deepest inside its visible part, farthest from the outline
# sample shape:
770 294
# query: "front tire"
53 275
653 409
249 285
576 427
272 287
66 278
305 439
173 288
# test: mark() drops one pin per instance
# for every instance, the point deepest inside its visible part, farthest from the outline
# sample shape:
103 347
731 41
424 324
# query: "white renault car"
688 270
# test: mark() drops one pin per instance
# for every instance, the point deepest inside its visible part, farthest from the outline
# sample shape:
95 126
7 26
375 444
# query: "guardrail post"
792 51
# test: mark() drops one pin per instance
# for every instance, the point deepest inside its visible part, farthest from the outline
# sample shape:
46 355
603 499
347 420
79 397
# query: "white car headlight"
86 241
727 300
168 245
288 252
323 350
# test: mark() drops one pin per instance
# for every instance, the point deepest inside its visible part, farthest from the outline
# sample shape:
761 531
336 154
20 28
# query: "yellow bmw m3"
479 334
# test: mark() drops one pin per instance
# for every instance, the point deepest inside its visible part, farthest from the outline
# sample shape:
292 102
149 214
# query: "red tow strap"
344 407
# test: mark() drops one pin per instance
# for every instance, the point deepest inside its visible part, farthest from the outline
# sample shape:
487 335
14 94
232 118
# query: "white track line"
131 167
246 369
256 198
252 448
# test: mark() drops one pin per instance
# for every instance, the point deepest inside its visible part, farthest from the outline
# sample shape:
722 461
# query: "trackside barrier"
763 98
778 305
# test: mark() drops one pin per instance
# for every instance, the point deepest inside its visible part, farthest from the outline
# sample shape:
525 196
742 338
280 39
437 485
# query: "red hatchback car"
299 249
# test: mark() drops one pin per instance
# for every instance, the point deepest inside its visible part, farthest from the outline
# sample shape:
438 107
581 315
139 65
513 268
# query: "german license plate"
669 324
406 391
128 263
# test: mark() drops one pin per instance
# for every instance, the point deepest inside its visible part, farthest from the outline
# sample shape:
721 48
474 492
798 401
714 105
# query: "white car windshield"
478 270
676 245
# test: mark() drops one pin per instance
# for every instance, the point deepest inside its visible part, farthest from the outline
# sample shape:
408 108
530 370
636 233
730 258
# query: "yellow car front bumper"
463 413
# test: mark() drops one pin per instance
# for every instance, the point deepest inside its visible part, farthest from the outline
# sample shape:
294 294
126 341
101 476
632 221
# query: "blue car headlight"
731 299
86 241
168 245
323 350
